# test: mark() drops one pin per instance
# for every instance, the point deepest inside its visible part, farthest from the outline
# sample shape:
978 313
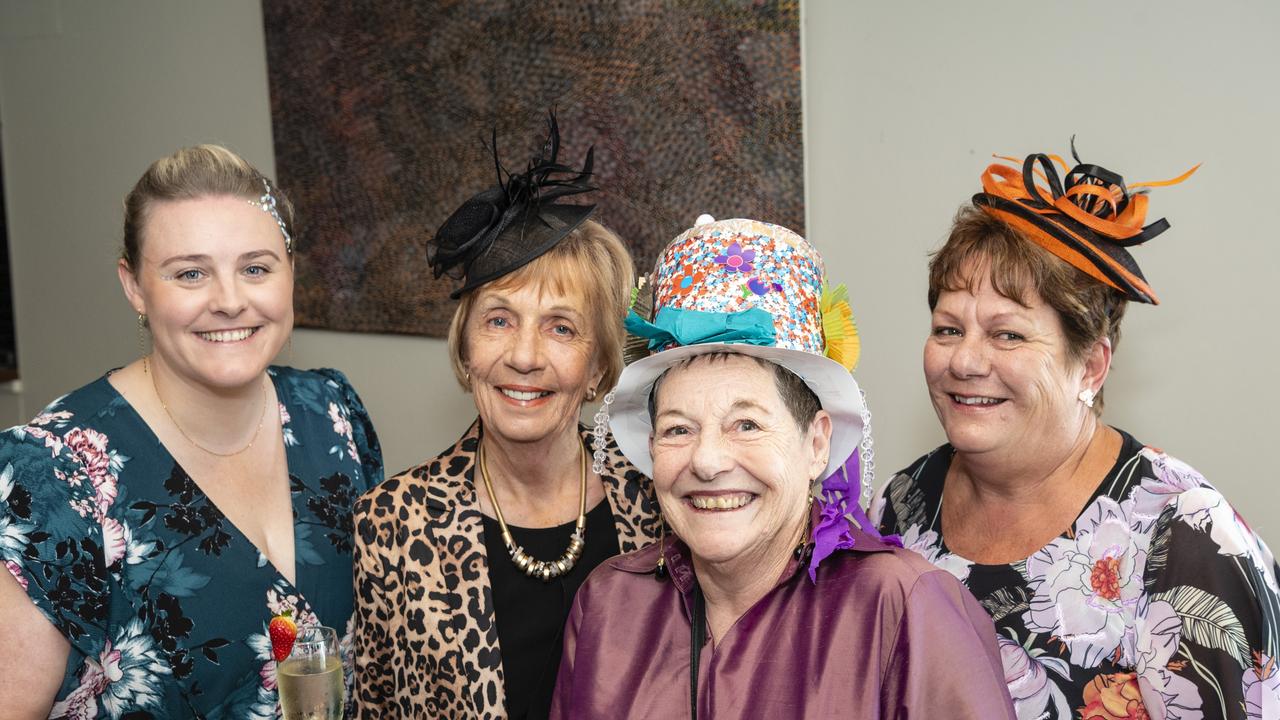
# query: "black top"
531 613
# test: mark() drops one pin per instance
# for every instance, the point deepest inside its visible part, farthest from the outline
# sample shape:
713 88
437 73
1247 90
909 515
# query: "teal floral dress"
164 602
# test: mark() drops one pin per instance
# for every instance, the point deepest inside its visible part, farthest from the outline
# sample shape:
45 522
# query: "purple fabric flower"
735 259
836 513
760 286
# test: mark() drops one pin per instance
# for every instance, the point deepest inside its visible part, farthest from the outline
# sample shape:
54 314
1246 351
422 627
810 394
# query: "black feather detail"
518 200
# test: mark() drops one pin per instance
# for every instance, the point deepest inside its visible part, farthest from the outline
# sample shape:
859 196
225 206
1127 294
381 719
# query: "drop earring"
142 339
1086 397
660 568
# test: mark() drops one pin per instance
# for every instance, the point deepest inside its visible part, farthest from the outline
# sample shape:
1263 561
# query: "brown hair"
981 246
799 398
590 262
189 173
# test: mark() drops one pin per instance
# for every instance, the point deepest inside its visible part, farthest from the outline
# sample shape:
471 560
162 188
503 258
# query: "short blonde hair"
590 262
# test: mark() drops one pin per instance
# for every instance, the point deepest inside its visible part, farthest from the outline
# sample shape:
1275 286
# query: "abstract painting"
381 113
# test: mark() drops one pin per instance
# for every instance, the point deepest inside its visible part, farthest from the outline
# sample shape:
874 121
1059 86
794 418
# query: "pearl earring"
1086 397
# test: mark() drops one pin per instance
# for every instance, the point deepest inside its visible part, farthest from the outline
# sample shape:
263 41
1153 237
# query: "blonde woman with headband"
154 521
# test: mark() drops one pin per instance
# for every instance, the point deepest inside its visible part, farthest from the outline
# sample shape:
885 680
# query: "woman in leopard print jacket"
463 579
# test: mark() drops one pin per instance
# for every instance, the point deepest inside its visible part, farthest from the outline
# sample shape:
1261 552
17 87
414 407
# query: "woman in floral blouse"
153 521
1121 583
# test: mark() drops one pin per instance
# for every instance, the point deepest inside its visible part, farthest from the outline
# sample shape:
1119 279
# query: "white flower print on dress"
13 534
927 544
1261 687
1086 587
1166 695
124 676
118 544
114 542
1203 508
1030 686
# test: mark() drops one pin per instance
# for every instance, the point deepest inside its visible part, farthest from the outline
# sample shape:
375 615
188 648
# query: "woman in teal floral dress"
1121 583
153 521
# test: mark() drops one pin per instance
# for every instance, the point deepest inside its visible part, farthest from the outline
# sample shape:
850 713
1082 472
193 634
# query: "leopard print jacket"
426 640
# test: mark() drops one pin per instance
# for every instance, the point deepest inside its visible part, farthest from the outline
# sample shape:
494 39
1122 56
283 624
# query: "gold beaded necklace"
542 569
146 369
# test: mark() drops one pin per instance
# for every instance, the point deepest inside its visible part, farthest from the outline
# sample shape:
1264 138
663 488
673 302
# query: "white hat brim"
829 380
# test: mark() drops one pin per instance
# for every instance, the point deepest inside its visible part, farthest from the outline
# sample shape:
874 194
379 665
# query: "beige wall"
904 104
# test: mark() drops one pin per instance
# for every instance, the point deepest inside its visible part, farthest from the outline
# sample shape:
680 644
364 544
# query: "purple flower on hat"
735 259
760 286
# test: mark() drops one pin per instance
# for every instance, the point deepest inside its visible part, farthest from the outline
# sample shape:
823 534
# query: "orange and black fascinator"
1089 220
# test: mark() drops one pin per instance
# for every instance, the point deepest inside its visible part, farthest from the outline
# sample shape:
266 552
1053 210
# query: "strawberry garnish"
283 632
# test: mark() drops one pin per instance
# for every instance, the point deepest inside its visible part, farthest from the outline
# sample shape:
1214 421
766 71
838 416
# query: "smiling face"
531 360
1000 374
216 286
731 466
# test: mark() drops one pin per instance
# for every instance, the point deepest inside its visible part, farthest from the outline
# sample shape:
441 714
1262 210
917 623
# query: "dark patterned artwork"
380 112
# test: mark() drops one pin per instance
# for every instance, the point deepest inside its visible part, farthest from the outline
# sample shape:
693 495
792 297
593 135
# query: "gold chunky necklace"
146 369
542 569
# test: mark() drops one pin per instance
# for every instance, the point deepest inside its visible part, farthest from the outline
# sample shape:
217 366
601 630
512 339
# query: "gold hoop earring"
591 394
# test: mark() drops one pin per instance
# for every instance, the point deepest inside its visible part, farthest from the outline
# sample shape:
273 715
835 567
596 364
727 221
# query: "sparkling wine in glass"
310 679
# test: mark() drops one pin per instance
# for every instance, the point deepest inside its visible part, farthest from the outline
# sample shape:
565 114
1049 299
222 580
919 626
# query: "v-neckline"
280 398
1129 449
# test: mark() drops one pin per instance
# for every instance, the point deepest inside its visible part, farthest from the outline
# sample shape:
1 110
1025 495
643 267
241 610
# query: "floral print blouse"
1159 602
164 602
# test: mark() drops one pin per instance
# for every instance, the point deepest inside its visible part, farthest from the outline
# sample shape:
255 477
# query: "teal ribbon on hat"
695 327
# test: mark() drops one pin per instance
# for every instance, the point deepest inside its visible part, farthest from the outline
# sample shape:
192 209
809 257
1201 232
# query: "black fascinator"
512 223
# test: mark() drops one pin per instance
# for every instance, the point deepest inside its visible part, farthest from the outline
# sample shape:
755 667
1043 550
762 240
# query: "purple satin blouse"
883 634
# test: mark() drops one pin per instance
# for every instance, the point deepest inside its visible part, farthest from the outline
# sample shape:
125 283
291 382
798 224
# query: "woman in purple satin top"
769 601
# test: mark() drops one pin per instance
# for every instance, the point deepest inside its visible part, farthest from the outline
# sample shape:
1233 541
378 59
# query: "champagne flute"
310 679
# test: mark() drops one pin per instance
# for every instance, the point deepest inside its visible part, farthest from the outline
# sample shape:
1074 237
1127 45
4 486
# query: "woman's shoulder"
893 572
1151 481
928 469
313 383
89 414
912 494
434 483
1163 489
96 399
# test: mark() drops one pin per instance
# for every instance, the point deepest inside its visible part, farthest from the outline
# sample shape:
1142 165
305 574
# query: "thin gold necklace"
542 569
146 369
